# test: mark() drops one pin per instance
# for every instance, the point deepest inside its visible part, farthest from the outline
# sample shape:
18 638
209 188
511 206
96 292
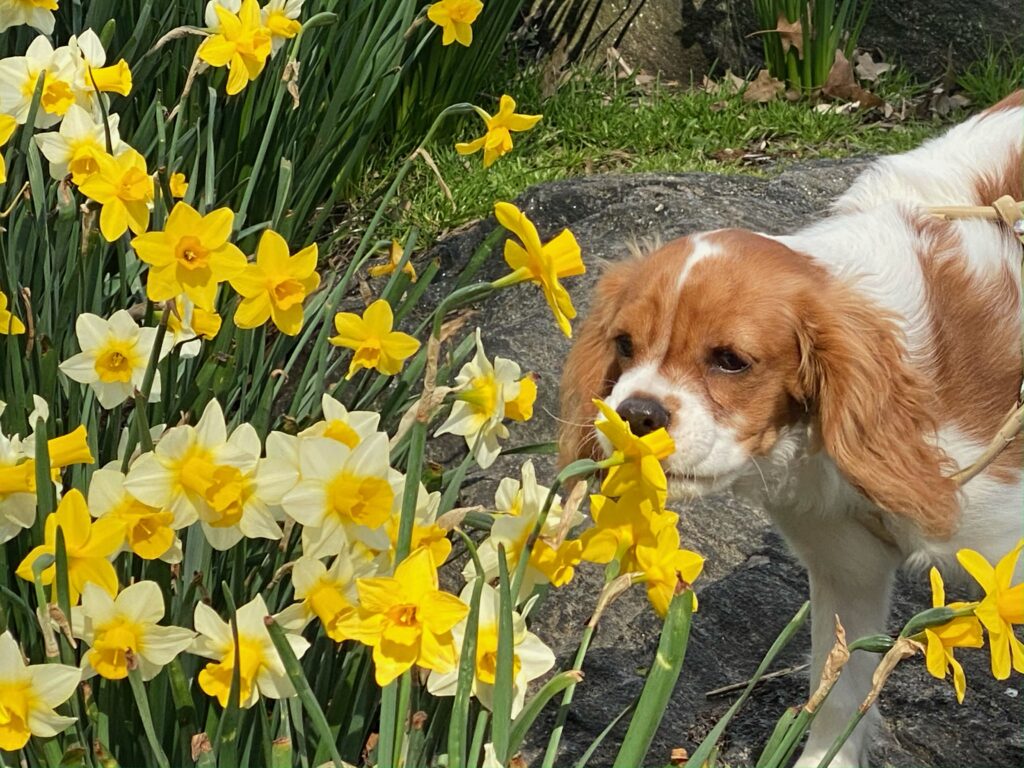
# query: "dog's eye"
727 361
624 345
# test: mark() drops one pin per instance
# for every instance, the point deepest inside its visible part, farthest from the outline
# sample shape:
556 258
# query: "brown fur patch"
1015 99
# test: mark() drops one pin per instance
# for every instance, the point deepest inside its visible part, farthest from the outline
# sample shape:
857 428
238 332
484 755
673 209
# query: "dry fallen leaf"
841 84
868 69
791 33
763 88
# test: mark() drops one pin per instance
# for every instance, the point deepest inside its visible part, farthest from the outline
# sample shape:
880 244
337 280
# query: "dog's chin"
687 487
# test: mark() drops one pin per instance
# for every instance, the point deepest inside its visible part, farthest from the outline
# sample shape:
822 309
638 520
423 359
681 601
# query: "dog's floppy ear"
591 369
874 412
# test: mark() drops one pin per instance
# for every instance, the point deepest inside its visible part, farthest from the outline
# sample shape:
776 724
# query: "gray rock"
751 586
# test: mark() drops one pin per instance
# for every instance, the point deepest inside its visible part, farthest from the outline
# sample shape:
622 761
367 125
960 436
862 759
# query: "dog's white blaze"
702 249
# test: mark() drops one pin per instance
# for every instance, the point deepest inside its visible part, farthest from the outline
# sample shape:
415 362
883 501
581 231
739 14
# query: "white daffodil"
482 390
75 147
330 594
347 427
281 18
34 13
188 323
17 488
114 357
260 669
149 531
530 657
91 74
30 694
20 74
202 474
344 495
113 627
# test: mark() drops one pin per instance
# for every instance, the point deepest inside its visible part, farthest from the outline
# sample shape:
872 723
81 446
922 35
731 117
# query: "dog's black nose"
643 415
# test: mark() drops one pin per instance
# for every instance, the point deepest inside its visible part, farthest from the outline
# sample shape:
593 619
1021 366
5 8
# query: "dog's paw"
847 757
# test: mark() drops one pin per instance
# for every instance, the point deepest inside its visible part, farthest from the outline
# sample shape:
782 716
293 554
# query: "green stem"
139 692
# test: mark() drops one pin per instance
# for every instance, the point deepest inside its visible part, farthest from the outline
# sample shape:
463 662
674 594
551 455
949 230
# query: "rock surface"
751 586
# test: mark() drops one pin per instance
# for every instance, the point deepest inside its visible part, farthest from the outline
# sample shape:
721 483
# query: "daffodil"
9 324
276 285
7 127
619 525
407 619
113 627
88 544
29 694
539 263
202 474
531 658
260 669
124 189
345 494
34 13
520 407
498 139
455 18
17 488
666 567
178 185
426 533
373 339
330 594
78 145
148 531
482 391
1001 608
190 256
92 74
281 17
640 458
395 255
961 632
347 427
188 324
114 357
19 76
242 43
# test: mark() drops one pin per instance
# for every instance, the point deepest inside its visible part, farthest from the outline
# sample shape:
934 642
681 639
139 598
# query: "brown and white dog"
837 376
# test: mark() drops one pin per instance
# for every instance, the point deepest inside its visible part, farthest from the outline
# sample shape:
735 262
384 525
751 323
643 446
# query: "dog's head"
729 339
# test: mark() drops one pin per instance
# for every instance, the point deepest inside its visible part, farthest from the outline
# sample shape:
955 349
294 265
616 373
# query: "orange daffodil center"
498 139
275 287
375 343
455 18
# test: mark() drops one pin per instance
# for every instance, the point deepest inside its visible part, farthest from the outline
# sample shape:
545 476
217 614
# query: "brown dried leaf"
763 88
902 649
841 84
791 33
834 663
868 69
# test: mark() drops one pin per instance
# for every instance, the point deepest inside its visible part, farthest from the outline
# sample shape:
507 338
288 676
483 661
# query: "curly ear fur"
875 413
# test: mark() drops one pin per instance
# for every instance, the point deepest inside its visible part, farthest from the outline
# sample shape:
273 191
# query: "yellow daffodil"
395 255
178 185
961 632
260 668
664 565
124 189
455 18
281 17
542 264
7 126
498 139
19 76
113 627
34 13
148 531
619 525
330 593
242 43
520 407
9 324
29 694
483 391
114 357
276 285
89 546
347 427
408 620
557 563
640 456
531 658
191 256
1001 608
376 345
78 145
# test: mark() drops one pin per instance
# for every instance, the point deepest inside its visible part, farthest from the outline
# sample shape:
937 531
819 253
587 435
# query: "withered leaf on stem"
791 33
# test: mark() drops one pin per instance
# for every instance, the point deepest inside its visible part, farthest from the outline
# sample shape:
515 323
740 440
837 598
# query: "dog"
838 376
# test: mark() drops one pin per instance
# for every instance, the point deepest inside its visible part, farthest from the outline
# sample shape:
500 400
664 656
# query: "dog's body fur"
883 351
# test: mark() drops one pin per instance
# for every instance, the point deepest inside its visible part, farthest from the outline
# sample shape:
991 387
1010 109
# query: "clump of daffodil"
114 357
260 669
498 139
540 263
531 658
178 185
960 632
281 17
395 255
121 185
347 427
455 18
330 594
9 324
191 255
7 127
113 627
241 42
19 76
148 531
276 285
89 545
78 145
30 694
407 619
34 13
1001 608
375 343
635 462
